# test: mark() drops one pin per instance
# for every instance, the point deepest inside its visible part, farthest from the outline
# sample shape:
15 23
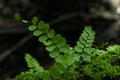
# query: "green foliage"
18 17
33 76
35 72
107 64
32 27
32 63
93 63
84 44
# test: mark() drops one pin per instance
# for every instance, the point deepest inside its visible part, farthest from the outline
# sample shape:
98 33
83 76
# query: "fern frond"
32 64
84 44
54 43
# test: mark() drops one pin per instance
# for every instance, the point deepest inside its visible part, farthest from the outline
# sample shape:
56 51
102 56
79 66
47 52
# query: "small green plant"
105 65
94 63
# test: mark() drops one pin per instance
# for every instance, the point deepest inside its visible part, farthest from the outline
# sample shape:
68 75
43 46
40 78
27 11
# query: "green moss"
105 65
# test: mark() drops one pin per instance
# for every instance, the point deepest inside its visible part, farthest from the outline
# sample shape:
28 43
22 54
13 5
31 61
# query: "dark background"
67 17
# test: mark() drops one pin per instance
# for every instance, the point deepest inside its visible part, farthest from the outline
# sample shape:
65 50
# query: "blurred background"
67 17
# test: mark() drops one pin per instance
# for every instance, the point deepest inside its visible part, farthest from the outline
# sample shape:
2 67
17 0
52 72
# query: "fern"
54 43
36 72
67 58
32 64
98 63
84 44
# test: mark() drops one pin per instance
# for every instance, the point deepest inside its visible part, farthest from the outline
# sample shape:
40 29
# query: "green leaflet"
61 42
78 49
79 44
88 50
65 48
54 53
50 48
43 38
32 63
86 57
84 45
17 16
66 60
51 33
47 42
88 29
32 27
40 24
37 32
56 38
34 20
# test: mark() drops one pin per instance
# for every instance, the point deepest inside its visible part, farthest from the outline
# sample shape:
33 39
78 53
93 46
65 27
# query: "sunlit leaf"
76 57
88 50
32 27
90 40
86 58
56 38
47 43
88 45
43 38
37 32
82 41
54 53
65 48
88 29
80 44
50 48
78 49
61 42
51 33
66 60
32 63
